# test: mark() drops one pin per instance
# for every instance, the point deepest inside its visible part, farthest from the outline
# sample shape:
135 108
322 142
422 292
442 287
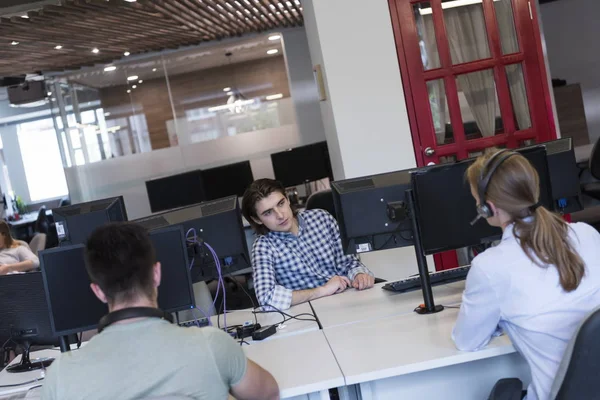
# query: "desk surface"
405 344
353 306
16 379
290 328
583 153
300 364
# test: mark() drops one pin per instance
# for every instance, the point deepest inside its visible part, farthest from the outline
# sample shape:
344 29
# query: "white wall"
127 175
366 121
571 31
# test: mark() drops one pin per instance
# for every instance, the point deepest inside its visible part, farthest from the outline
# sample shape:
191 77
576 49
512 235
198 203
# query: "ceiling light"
227 89
25 16
126 53
107 114
451 4
132 78
95 50
140 81
49 94
14 43
272 51
153 69
275 37
128 90
110 68
274 96
58 47
134 86
230 93
131 1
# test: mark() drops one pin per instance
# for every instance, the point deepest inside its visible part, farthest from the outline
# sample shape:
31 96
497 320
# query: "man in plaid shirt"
297 257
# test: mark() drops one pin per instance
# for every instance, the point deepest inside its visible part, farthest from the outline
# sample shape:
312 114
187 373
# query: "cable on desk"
284 315
21 384
247 294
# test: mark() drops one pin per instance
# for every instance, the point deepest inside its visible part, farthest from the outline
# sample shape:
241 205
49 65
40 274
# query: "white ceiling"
179 62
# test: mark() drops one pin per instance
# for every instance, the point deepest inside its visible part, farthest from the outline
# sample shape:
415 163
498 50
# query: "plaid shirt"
284 262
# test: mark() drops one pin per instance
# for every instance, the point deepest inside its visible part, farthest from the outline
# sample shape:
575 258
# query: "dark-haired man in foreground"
148 357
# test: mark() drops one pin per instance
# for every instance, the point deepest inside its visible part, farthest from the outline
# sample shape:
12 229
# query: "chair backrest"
42 224
595 160
322 200
578 376
38 243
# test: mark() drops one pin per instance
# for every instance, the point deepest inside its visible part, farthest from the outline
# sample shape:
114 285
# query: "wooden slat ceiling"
118 26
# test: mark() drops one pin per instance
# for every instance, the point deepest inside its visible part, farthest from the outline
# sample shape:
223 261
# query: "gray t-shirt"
18 254
148 358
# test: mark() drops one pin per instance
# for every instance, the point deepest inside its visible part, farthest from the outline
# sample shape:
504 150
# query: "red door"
474 77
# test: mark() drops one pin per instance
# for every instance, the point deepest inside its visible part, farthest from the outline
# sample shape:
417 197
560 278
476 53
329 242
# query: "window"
42 160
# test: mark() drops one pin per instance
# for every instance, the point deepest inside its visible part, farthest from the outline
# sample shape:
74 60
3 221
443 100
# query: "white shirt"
504 288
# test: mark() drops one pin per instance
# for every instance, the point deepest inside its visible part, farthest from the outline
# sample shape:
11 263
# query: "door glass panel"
479 104
518 95
506 25
439 111
426 33
466 30
448 159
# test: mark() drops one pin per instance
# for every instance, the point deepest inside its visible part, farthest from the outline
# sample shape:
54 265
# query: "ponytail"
547 238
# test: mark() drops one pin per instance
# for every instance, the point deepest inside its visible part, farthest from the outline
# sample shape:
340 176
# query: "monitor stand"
428 306
27 364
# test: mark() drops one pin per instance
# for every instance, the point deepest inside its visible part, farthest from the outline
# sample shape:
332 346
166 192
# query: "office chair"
38 243
42 225
592 189
322 200
578 375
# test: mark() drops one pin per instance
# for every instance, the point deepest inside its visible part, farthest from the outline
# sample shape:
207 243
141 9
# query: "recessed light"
95 50
110 68
14 43
49 94
275 37
126 53
227 89
132 78
128 90
274 96
58 47
25 16
230 93
131 1
140 81
153 69
107 114
272 51
134 87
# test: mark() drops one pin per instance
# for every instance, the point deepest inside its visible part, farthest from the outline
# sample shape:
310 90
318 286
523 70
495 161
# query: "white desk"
7 378
354 306
583 153
290 328
413 356
303 365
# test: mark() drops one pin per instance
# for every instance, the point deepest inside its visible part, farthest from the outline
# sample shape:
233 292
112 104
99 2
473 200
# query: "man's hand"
363 281
336 284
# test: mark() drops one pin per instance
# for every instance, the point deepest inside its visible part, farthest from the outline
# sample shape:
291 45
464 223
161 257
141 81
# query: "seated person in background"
146 356
539 283
297 257
14 257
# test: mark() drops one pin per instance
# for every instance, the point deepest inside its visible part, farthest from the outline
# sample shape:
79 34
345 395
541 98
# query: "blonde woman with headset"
539 283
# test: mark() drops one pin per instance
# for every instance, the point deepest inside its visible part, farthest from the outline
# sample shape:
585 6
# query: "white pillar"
303 87
365 117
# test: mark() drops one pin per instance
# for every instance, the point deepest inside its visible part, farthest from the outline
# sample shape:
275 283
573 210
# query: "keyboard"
436 278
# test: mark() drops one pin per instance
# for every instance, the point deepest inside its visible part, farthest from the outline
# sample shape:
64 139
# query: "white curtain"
467 37
514 73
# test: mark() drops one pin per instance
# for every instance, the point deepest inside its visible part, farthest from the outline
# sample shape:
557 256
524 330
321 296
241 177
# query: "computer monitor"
445 206
302 164
73 306
24 319
75 223
175 292
175 191
361 208
228 180
219 224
